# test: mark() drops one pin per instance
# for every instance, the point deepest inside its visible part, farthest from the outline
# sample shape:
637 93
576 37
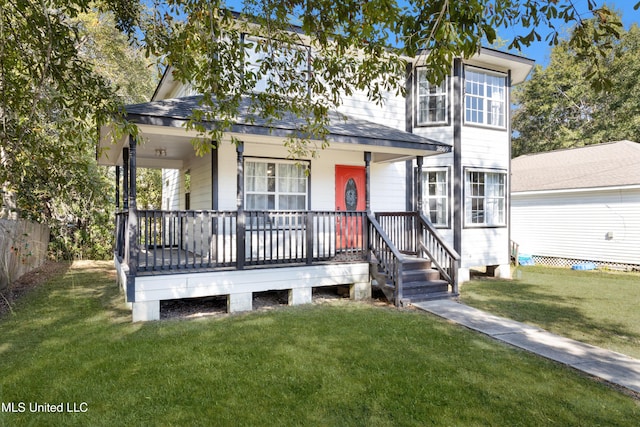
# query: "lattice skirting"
568 262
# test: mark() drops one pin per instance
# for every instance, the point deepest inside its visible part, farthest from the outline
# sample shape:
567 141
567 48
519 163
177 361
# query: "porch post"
367 179
125 178
240 220
367 201
117 218
132 225
419 160
117 188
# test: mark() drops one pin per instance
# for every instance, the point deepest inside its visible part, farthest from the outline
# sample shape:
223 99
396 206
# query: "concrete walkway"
608 365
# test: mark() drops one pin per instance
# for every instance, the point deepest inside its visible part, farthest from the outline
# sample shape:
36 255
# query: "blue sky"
540 51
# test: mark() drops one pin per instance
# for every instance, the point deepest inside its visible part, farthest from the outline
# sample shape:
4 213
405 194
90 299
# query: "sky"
540 51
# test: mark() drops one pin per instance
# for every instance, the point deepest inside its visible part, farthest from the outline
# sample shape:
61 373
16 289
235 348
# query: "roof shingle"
594 166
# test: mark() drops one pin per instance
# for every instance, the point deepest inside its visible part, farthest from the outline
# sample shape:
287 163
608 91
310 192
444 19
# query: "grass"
339 364
597 307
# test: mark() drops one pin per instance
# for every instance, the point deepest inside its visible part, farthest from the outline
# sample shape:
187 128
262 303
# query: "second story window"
283 67
485 98
432 101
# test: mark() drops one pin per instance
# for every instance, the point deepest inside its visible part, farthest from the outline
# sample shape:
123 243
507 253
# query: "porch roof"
342 128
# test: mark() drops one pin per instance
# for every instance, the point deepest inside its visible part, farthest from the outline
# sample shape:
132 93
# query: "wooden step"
424 288
415 263
424 275
420 282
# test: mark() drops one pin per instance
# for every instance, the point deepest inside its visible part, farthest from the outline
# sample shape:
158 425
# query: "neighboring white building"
580 204
444 151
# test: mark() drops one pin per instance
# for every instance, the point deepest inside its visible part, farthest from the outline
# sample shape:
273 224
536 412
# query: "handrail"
388 256
170 240
443 256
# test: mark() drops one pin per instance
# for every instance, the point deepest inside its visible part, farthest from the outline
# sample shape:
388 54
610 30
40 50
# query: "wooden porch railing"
443 256
414 234
187 240
387 255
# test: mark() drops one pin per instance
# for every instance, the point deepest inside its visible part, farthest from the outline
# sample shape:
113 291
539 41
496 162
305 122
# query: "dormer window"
432 101
485 98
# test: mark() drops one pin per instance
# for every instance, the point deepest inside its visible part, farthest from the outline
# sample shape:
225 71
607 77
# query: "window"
485 98
485 198
279 66
435 196
432 100
275 185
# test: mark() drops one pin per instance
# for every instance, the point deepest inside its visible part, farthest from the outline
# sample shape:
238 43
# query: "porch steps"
420 281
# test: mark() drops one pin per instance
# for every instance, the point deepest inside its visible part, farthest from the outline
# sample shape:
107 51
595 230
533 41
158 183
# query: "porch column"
118 218
125 178
367 180
419 160
132 225
240 220
117 188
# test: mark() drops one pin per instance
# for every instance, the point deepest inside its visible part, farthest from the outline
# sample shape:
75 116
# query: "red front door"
350 196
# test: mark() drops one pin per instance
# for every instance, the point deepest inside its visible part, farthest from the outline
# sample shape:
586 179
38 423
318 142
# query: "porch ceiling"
162 128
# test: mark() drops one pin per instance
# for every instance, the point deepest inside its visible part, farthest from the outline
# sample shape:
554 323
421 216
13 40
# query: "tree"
62 67
203 43
48 92
557 108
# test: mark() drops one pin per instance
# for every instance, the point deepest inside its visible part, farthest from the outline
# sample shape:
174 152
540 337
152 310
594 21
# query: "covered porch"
217 246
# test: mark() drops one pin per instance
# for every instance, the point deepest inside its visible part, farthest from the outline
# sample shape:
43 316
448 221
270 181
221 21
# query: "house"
408 197
580 204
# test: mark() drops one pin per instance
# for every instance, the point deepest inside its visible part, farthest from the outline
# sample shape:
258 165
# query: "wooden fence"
23 247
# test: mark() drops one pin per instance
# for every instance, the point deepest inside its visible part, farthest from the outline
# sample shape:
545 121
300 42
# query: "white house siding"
170 189
200 168
485 148
388 187
588 225
391 113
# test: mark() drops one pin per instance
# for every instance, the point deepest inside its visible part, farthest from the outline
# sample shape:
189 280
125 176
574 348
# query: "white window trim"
277 191
447 197
468 197
445 83
484 98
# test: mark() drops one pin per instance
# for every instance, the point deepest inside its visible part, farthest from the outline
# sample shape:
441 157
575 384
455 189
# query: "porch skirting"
239 285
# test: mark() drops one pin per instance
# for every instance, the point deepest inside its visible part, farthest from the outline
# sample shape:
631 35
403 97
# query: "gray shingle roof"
594 166
175 112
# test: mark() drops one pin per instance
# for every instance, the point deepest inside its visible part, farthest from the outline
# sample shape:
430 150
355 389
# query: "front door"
350 196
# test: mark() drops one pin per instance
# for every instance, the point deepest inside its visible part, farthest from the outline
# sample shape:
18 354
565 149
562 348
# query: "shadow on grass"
530 303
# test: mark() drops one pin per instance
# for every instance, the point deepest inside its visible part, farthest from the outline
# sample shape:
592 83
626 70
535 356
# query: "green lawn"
332 364
600 308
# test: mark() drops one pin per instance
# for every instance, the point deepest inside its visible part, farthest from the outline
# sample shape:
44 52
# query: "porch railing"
414 234
443 256
185 240
388 257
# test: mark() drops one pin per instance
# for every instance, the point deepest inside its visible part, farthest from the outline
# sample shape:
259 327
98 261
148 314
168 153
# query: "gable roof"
342 128
594 166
